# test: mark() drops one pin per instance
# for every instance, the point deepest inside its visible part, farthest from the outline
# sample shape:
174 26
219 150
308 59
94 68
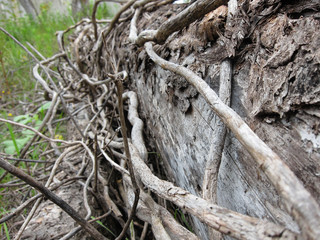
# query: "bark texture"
275 89
274 49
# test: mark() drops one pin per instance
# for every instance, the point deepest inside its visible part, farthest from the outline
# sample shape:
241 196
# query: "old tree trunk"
273 51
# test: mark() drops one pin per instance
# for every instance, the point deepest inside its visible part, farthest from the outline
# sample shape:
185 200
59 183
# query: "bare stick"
211 173
137 124
26 160
52 197
183 19
19 209
126 148
116 17
133 26
94 22
223 220
299 202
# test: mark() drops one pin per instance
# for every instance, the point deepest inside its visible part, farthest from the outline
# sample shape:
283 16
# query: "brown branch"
183 19
94 22
31 200
116 18
128 160
52 197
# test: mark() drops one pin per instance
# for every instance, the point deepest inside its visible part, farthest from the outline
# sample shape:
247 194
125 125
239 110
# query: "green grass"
17 83
105 227
40 33
179 216
5 230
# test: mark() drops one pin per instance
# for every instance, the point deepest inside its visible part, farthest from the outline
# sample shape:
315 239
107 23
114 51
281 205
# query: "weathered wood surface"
275 89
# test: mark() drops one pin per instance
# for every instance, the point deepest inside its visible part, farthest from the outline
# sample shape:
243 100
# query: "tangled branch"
91 79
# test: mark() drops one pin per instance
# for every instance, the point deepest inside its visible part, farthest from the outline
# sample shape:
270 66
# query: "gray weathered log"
299 202
221 219
242 185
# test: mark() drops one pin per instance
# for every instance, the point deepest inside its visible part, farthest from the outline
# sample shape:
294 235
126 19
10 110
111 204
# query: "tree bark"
269 173
269 92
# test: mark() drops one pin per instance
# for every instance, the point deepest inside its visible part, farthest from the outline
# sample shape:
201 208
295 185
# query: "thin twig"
52 197
94 22
48 75
116 17
26 160
24 205
128 160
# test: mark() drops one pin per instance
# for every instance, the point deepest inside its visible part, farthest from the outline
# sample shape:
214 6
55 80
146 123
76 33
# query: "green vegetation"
104 226
20 95
179 216
5 230
3 226
15 144
40 33
17 84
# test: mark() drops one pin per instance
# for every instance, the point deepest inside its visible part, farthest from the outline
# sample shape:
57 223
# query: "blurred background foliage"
20 96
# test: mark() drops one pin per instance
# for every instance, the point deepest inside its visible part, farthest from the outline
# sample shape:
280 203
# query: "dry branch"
221 219
183 19
161 221
19 209
54 198
224 220
128 160
137 124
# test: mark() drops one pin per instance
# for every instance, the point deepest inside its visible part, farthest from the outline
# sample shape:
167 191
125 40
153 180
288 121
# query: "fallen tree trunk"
269 166
173 111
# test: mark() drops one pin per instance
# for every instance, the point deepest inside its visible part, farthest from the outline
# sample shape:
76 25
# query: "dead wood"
51 196
260 189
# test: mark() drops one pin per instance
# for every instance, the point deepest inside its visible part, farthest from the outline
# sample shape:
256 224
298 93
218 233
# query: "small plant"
179 215
15 144
4 225
104 226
